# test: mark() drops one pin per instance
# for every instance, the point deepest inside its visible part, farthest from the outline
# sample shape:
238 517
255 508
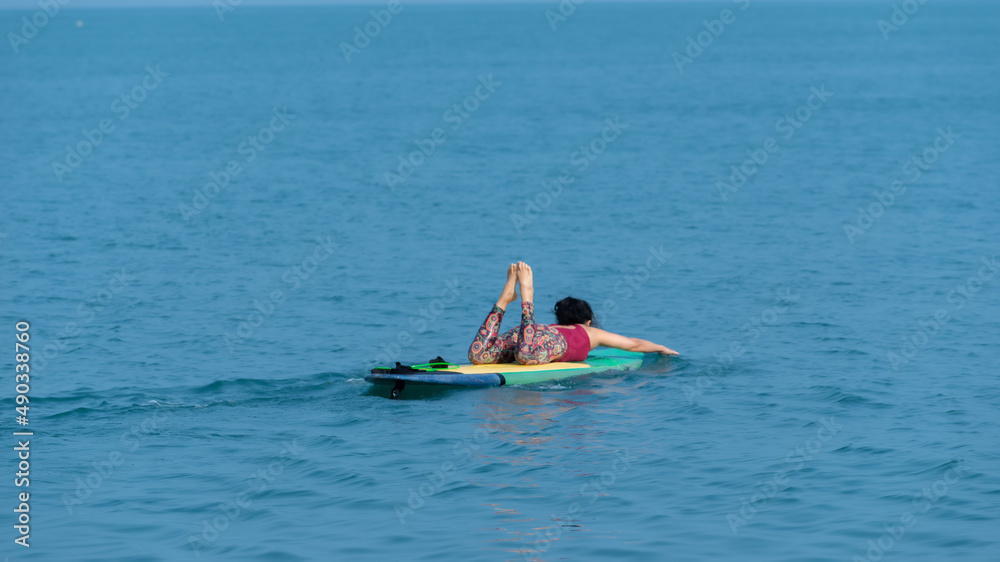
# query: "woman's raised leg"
490 346
538 343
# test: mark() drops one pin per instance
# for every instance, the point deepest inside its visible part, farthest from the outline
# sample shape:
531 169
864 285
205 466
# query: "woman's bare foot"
524 279
509 292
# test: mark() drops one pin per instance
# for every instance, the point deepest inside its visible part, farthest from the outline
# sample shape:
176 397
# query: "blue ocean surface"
216 221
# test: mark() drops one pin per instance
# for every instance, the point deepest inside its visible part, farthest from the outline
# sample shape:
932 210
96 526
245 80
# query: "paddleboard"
599 360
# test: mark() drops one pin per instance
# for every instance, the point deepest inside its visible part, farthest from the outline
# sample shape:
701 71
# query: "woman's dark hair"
573 311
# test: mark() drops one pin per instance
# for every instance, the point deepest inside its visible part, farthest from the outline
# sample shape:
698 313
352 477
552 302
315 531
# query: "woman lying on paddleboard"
536 344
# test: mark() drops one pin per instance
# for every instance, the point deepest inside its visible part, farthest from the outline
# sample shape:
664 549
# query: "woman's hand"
667 351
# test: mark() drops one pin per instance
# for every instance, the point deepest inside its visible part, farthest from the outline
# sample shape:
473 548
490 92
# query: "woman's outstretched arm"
616 341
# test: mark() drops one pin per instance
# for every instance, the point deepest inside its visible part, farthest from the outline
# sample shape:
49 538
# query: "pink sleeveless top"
577 342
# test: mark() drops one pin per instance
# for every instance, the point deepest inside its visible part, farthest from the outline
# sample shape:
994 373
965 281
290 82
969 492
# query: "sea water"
217 219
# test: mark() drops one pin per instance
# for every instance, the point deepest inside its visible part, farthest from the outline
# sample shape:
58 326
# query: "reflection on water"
553 438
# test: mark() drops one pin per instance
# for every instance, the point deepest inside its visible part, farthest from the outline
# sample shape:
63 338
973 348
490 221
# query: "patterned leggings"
527 344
